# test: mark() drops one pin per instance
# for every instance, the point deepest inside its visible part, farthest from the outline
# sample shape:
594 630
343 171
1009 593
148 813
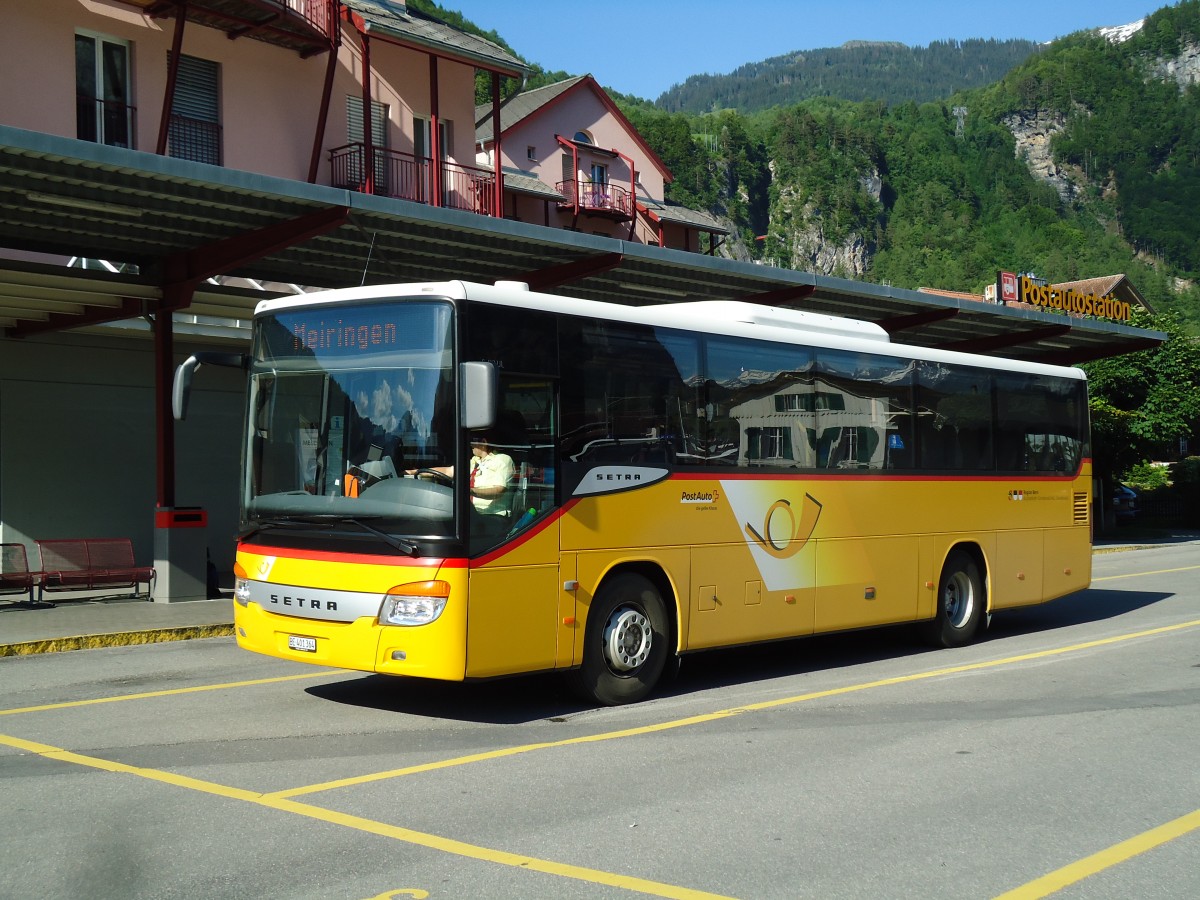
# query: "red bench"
85 564
15 576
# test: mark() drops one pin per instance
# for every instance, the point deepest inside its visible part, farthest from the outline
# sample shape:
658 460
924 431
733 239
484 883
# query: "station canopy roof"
179 222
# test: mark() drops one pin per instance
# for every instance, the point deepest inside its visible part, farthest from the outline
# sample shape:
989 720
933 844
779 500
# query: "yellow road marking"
1105 859
171 692
281 801
1138 574
704 718
370 826
108 765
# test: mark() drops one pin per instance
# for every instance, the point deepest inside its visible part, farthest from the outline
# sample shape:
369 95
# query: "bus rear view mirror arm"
181 389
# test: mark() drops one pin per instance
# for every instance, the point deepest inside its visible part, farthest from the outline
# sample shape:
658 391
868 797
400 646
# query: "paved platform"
115 622
88 624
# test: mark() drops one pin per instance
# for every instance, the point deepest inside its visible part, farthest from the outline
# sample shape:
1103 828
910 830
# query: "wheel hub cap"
960 600
627 639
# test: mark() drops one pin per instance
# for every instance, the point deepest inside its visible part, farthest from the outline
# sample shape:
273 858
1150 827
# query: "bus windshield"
344 403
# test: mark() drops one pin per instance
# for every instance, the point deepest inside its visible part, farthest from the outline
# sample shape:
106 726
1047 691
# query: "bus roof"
715 317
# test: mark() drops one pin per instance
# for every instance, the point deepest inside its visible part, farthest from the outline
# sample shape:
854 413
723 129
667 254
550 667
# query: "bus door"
516 595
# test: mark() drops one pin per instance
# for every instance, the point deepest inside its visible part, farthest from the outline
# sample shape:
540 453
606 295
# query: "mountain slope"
858 70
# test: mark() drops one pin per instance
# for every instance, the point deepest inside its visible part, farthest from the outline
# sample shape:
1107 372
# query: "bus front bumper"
426 651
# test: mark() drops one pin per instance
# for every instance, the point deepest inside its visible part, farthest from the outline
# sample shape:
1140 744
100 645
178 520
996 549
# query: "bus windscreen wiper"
390 539
266 524
299 521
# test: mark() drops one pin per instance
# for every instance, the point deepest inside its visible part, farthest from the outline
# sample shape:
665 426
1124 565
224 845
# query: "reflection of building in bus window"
810 424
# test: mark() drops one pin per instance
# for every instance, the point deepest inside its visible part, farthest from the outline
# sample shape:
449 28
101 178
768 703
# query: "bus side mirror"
181 387
478 389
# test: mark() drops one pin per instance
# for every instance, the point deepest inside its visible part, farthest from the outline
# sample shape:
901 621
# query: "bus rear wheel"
962 603
625 642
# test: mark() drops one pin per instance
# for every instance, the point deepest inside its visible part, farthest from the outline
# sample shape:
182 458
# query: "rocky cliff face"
809 250
1183 69
1032 132
803 239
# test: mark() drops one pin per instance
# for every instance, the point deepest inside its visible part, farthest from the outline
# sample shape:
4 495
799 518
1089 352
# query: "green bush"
1147 477
1186 471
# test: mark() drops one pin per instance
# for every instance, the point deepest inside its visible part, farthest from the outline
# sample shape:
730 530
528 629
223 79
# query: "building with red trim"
571 159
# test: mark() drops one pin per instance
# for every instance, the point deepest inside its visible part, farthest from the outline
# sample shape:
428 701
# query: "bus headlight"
414 604
241 585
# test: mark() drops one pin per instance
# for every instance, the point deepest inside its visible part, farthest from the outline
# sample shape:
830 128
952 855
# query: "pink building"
274 87
282 88
571 159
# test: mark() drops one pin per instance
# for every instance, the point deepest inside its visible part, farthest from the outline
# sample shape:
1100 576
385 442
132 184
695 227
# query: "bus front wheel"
625 642
962 603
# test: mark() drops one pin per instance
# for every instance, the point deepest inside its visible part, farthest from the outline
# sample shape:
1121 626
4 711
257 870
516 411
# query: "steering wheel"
438 477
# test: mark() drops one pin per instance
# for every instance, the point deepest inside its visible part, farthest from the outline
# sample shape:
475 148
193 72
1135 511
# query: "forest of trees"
858 70
952 208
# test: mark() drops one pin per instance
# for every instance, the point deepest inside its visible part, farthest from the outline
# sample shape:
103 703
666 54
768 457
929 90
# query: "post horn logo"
798 531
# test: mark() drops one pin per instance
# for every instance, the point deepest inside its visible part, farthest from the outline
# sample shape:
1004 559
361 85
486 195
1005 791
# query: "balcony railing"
306 26
601 199
408 177
194 139
105 121
320 14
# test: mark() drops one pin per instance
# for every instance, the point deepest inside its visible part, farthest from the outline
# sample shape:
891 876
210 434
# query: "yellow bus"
457 481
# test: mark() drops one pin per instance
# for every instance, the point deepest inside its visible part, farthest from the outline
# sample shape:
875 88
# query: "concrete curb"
118 639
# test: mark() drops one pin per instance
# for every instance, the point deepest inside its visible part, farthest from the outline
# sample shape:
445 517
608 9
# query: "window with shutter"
195 129
355 134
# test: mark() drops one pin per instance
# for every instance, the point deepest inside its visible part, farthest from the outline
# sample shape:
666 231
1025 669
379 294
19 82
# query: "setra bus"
665 479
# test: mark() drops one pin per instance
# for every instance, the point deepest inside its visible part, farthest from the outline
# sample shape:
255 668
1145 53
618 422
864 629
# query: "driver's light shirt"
493 470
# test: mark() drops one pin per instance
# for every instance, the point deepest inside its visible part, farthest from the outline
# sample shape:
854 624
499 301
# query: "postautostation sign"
1021 288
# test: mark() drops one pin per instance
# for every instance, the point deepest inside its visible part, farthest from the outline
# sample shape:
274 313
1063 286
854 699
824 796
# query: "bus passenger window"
865 411
955 417
760 406
1038 424
628 395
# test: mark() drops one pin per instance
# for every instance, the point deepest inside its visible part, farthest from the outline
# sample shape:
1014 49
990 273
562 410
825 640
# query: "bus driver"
491 473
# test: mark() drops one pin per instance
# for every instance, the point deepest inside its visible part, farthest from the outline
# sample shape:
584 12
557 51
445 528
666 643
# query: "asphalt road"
1060 752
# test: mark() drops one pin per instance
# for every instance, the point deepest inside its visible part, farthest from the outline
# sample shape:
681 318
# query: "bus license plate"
307 644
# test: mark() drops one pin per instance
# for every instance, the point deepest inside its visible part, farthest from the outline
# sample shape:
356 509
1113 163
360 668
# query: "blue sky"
642 47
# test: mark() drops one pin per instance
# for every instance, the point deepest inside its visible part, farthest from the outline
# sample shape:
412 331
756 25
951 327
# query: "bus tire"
625 642
961 602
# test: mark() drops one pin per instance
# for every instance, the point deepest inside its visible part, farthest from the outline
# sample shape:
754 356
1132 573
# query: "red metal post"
164 123
498 206
368 140
164 370
314 161
435 136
